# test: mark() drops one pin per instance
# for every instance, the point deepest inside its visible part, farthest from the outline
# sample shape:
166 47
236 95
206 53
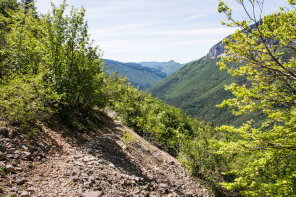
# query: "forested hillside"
167 67
197 88
143 74
138 75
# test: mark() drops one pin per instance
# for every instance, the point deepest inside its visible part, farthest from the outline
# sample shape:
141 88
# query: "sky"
156 30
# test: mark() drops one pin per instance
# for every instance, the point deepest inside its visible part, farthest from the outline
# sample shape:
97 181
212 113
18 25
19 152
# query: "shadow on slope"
98 134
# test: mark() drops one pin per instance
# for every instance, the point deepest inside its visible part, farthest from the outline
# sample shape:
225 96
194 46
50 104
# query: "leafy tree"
50 59
8 5
73 65
269 149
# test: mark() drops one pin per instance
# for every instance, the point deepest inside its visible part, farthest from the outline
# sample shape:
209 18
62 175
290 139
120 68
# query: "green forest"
49 67
139 76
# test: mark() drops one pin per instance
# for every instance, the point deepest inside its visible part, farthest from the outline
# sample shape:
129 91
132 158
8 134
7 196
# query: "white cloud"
193 32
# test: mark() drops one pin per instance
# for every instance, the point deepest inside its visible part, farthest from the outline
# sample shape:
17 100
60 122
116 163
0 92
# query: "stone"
19 169
31 183
88 185
2 156
21 181
92 179
12 133
75 172
27 154
163 185
67 174
14 189
10 156
122 182
77 156
10 168
84 176
111 165
29 165
31 189
3 131
26 148
78 163
75 178
25 194
92 194
89 150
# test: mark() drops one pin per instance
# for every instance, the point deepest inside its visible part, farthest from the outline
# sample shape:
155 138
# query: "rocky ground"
111 161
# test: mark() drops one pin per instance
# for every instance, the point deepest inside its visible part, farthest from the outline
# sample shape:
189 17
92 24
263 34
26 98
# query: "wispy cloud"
134 26
131 30
194 17
193 32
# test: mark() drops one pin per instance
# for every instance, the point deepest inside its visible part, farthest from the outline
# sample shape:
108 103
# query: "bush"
26 99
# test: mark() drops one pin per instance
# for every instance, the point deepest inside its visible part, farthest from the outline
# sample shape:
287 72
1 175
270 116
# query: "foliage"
25 99
128 138
195 143
47 64
73 65
7 5
139 76
154 119
197 88
199 156
270 88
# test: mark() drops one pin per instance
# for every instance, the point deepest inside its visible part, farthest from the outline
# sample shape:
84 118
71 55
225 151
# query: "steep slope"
167 67
138 75
197 88
110 160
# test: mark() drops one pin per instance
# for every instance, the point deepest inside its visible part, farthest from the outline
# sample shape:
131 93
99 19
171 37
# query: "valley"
75 124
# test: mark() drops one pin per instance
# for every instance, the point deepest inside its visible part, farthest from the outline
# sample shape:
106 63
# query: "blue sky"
156 30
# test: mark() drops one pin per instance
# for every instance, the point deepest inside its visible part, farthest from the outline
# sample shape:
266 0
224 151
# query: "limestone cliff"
217 50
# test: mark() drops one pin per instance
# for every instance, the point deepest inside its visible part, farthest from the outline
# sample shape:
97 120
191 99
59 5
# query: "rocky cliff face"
216 51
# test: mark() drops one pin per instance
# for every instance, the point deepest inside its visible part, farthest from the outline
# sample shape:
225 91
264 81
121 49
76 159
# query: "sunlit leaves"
55 52
271 88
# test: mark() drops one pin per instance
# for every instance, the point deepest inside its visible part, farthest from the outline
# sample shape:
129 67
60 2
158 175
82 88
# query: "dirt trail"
115 162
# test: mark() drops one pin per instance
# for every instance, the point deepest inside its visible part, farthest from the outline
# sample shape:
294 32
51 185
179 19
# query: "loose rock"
25 194
21 181
10 168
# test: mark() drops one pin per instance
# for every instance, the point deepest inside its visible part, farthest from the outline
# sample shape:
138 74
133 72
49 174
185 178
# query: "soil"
107 159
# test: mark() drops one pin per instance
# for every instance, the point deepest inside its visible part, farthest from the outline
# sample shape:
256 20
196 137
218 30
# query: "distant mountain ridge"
138 75
144 74
153 70
167 67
